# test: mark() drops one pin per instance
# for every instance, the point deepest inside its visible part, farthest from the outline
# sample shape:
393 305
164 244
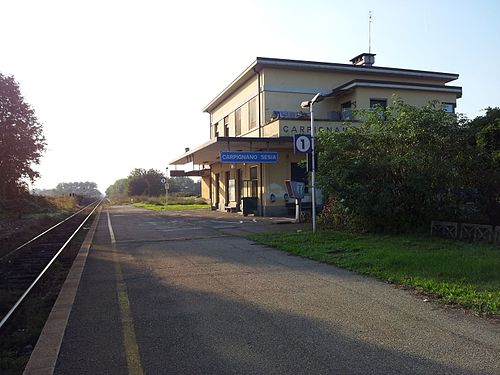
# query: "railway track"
24 267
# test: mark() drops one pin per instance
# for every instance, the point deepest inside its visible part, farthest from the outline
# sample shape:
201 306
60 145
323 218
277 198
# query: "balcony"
345 115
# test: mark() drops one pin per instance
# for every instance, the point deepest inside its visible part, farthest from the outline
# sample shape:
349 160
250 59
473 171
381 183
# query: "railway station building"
260 111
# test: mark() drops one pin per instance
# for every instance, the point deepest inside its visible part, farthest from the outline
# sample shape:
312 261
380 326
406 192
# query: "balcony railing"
344 115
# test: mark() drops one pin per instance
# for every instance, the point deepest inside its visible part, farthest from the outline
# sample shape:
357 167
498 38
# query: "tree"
119 187
21 139
148 182
142 182
483 162
184 185
86 188
399 169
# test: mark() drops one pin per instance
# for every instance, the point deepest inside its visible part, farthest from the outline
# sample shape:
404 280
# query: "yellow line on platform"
129 339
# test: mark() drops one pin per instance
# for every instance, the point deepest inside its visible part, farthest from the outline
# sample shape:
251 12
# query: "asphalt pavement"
186 293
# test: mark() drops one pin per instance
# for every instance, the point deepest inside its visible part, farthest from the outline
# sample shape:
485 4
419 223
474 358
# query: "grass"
171 207
158 201
22 331
452 271
26 205
30 215
175 203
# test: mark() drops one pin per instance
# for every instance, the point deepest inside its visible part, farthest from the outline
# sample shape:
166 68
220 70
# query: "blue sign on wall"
248 157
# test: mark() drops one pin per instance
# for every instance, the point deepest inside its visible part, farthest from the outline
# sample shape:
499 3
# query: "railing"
345 115
466 232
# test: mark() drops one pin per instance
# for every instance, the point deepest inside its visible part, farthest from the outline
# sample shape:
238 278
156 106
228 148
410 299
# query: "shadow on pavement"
184 328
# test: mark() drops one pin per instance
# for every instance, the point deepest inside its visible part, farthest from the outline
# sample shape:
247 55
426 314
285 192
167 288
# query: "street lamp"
166 186
310 104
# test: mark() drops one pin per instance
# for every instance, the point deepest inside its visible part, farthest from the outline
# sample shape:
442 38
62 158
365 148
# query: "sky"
121 84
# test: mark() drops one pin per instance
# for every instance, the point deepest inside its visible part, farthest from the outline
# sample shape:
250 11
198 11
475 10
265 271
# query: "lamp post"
166 186
310 104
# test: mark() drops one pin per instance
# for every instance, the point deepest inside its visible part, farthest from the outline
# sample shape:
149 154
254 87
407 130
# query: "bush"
397 171
334 215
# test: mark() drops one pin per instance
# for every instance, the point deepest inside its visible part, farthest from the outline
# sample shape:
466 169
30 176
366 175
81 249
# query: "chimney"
365 59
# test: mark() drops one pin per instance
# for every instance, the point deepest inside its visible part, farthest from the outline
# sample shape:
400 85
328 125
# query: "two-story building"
260 111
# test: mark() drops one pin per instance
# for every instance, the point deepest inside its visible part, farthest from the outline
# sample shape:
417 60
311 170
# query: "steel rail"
41 234
21 299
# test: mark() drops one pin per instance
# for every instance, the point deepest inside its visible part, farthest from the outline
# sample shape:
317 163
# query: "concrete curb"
44 357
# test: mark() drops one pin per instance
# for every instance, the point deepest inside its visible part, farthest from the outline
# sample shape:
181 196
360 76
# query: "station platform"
186 293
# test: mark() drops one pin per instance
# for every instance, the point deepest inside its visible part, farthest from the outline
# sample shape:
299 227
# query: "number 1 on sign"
302 143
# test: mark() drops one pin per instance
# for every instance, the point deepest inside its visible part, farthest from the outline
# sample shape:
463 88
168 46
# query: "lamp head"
317 98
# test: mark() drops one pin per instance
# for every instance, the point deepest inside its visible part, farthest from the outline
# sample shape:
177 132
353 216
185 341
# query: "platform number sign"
163 180
302 143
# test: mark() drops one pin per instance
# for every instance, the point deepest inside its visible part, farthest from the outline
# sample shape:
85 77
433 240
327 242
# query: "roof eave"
186 155
251 143
233 86
263 62
400 85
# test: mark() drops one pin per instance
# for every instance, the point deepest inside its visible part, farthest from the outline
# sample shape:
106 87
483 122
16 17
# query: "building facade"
260 111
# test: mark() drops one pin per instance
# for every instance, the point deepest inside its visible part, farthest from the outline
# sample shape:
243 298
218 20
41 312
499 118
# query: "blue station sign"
248 157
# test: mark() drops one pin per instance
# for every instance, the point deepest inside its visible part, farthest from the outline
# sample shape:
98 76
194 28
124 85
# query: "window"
216 130
226 126
254 182
379 105
448 107
374 103
237 121
252 113
346 113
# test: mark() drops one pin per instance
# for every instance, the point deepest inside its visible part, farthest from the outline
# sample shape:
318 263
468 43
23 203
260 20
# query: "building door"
254 182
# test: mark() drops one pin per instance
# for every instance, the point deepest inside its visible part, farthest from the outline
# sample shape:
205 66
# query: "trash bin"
249 205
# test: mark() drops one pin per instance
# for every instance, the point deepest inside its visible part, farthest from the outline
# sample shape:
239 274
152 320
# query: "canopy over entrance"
209 153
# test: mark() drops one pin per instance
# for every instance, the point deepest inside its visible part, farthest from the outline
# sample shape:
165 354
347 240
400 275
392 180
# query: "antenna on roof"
366 59
370 31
